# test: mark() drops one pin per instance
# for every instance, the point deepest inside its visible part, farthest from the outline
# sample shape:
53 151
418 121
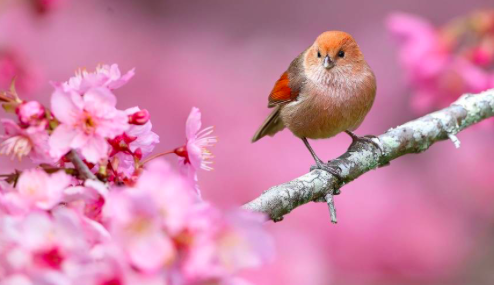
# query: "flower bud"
30 113
139 118
181 151
138 154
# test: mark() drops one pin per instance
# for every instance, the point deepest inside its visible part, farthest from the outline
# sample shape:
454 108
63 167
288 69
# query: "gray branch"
413 137
80 166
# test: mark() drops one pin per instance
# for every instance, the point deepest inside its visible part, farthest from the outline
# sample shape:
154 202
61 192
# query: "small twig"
332 210
82 169
156 156
413 137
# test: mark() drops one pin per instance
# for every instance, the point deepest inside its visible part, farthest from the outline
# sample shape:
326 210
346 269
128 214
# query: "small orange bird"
328 89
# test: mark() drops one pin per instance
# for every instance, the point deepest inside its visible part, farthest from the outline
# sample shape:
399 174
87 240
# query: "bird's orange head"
333 49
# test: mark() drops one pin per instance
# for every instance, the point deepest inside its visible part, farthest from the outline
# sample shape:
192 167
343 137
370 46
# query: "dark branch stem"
82 169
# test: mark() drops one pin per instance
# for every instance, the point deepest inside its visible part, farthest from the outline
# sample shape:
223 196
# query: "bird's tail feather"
271 125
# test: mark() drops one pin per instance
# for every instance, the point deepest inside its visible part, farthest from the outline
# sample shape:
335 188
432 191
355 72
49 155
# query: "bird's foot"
334 170
366 139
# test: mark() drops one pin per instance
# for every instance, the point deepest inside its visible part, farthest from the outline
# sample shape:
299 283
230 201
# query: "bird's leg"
329 198
367 139
319 163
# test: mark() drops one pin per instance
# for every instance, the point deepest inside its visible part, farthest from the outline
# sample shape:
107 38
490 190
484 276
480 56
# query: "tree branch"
82 169
413 137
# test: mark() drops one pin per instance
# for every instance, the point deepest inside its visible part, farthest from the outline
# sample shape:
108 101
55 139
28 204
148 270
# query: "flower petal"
195 154
95 149
150 251
61 139
193 123
99 98
63 106
10 127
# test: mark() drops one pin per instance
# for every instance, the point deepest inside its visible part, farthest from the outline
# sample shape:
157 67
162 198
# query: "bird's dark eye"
341 53
318 54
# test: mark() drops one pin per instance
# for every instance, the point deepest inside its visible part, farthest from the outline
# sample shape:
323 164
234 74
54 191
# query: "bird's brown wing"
286 90
281 93
271 125
288 87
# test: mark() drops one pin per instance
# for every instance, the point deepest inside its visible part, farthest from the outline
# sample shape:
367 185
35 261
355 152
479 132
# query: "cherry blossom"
107 76
30 141
31 113
138 141
195 154
227 244
86 122
40 189
131 222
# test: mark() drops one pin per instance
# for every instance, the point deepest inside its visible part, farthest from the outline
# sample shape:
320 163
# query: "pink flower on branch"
88 200
107 76
137 142
43 246
159 223
225 244
196 154
86 122
31 141
40 189
31 113
58 229
139 117
138 217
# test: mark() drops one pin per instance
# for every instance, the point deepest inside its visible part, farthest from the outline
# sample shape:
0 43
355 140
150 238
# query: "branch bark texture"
80 166
413 137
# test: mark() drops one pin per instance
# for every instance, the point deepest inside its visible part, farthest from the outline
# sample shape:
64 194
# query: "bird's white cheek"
299 100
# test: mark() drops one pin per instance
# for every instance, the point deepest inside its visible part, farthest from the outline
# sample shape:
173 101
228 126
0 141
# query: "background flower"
107 76
19 142
445 62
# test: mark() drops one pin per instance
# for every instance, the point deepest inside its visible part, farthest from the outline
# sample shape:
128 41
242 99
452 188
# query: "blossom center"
51 258
89 124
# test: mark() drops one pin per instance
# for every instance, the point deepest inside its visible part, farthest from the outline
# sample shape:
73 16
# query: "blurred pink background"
425 219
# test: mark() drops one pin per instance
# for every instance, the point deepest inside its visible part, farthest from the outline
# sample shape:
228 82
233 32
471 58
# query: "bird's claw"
370 139
366 139
334 170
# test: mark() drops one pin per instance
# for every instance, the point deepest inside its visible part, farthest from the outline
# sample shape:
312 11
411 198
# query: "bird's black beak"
328 63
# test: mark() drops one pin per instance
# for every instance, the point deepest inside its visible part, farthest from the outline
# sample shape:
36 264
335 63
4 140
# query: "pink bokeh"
418 220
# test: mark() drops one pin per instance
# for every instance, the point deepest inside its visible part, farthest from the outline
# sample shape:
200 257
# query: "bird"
327 89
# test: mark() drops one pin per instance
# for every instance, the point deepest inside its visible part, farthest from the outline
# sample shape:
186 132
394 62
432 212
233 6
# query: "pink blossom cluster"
138 222
441 63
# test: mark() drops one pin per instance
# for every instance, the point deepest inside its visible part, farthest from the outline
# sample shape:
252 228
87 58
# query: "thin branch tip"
332 210
82 169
